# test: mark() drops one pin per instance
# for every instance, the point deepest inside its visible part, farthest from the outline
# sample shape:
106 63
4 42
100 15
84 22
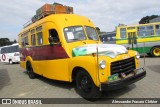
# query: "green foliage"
15 41
146 19
6 41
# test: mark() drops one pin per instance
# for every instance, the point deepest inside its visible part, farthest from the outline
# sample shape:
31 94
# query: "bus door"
132 41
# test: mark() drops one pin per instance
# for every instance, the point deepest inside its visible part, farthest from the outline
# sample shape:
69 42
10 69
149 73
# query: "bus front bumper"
137 75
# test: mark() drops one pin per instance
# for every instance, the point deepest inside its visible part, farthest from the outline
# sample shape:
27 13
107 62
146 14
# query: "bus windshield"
74 33
91 33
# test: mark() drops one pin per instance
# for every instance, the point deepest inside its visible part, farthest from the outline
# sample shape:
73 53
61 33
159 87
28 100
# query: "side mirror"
51 41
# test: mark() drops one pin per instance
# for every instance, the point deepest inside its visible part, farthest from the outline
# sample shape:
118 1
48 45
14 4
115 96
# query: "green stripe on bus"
138 42
139 38
142 49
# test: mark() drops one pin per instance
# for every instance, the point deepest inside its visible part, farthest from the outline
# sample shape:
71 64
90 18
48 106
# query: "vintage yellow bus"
144 38
67 47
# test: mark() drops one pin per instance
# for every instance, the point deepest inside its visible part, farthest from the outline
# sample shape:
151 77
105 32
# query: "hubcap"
10 61
156 51
85 84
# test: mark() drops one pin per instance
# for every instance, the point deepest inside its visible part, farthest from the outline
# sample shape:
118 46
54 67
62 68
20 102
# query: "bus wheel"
30 71
10 61
155 52
86 87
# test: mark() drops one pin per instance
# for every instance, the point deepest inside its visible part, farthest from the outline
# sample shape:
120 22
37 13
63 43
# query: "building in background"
155 20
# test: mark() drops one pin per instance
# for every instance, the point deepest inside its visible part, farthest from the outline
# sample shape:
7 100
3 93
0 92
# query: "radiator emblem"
125 57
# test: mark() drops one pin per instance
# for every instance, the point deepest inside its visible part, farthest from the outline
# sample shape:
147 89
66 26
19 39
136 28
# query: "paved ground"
15 83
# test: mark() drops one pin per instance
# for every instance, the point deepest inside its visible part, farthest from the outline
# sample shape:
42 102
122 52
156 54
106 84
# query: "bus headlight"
137 55
102 64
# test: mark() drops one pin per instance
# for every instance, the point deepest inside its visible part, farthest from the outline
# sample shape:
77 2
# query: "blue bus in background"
108 38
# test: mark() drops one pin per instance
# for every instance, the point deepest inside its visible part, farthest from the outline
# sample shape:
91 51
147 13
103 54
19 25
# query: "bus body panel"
53 69
90 65
46 61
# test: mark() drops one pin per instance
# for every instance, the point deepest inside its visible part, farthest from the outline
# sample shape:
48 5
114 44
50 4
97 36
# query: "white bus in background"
10 54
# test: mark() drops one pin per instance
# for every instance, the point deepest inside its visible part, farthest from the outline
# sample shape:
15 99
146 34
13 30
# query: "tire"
30 71
10 61
155 51
86 87
149 54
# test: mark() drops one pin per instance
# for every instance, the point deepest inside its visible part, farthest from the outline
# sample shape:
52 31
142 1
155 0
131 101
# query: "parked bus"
144 38
108 38
10 54
66 47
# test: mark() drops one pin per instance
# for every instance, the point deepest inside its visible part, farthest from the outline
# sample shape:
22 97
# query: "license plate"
137 71
113 77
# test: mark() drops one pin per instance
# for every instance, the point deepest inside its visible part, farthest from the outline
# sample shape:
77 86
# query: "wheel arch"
28 60
151 50
77 69
27 63
154 47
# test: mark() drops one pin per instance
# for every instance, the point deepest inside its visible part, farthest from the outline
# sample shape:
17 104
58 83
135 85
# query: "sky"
105 14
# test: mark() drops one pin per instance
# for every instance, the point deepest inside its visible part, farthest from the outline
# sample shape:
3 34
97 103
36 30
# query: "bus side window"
123 33
53 36
26 41
23 42
141 31
33 38
40 38
39 35
157 29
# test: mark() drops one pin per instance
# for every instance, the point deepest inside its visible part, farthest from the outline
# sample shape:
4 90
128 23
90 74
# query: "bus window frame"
70 41
38 30
33 33
88 36
156 30
123 31
25 39
145 30
53 35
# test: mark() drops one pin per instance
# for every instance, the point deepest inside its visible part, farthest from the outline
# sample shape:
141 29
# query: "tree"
5 41
15 41
146 19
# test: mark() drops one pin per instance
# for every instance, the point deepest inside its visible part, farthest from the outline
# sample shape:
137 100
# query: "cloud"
106 14
109 13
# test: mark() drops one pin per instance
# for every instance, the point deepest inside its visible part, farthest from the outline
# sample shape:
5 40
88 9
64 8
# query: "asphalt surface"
15 83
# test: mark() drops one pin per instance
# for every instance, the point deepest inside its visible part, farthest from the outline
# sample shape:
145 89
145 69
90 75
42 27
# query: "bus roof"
139 25
9 45
61 20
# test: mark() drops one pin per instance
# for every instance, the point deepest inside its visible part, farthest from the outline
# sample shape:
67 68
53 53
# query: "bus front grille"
124 66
